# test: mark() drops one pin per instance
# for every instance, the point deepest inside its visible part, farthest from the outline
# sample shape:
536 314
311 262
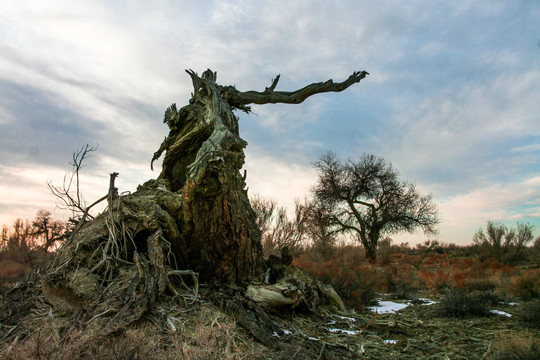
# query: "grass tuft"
459 303
516 346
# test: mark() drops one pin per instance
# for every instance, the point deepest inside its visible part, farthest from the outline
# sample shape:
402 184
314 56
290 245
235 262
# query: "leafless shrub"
277 230
527 285
459 303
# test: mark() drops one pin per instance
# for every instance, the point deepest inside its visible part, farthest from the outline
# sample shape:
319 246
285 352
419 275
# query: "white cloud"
519 202
450 101
432 48
458 127
526 148
462 215
279 179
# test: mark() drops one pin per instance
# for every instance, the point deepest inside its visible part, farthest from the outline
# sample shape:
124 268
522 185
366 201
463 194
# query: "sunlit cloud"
281 180
451 102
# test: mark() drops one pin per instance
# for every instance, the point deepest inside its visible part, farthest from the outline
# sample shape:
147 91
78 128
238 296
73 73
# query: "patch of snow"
348 332
498 312
275 334
388 307
346 318
390 341
286 332
331 322
426 301
312 338
510 303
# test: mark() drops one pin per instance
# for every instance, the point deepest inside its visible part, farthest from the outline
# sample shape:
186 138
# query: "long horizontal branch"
298 96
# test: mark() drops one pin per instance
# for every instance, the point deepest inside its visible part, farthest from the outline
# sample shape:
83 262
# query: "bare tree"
41 233
320 227
21 236
524 236
368 199
4 237
504 243
496 240
277 230
290 233
265 209
49 230
18 242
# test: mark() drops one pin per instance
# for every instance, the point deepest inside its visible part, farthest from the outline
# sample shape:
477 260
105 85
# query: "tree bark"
203 158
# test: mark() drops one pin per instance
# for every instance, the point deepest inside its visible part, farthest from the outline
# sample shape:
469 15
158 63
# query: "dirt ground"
415 332
201 330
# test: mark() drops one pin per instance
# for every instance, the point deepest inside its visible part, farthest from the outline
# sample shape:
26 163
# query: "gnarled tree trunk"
204 155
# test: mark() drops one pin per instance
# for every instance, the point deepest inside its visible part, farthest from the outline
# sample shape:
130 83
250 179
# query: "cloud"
494 202
451 99
37 128
526 148
24 191
467 133
509 203
462 215
281 180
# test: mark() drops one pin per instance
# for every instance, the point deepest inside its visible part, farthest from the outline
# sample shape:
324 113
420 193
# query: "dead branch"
369 323
86 214
269 96
193 274
113 192
69 198
273 86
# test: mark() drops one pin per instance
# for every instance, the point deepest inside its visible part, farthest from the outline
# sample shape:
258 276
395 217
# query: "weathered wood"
203 158
298 96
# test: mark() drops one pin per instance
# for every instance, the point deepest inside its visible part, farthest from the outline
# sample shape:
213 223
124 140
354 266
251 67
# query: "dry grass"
205 335
468 286
356 282
521 346
527 285
12 271
530 314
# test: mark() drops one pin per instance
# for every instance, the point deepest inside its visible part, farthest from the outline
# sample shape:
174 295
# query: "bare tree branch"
67 196
298 96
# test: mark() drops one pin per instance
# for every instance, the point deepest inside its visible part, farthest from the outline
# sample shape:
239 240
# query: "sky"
452 99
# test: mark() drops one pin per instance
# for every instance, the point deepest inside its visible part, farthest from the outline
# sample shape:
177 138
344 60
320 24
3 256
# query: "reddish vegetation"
408 272
399 270
12 271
